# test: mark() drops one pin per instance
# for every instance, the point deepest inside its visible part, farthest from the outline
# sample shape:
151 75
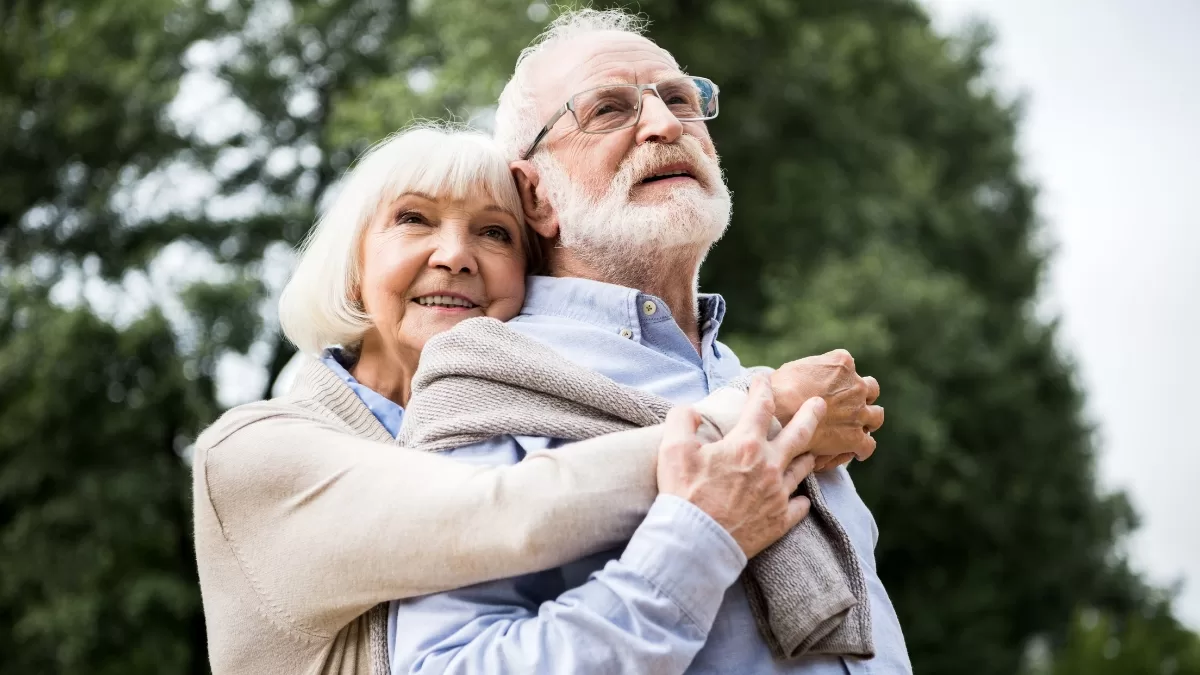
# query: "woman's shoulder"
247 421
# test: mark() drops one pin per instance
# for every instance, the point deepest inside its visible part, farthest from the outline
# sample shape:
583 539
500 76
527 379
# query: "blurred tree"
1149 642
84 89
97 572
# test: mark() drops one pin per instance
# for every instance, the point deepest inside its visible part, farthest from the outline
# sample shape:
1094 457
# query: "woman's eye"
411 217
497 233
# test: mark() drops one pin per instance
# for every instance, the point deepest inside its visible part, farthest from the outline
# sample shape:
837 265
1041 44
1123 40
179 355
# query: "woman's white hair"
320 304
517 121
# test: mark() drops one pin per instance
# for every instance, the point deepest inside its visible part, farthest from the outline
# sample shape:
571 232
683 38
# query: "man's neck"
669 275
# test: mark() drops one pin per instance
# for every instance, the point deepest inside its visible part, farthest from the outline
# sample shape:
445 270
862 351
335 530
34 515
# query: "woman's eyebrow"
415 193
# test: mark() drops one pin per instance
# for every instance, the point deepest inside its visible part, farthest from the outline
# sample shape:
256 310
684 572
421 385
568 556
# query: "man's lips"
672 173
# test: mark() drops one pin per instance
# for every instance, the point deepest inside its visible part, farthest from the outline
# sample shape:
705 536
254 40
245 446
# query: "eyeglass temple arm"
546 129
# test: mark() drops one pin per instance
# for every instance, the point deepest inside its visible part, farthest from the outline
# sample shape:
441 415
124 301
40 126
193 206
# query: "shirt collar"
609 306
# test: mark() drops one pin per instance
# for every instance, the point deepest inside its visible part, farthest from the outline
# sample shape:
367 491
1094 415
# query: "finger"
836 461
840 357
871 417
797 471
679 429
872 389
757 413
798 508
866 447
796 436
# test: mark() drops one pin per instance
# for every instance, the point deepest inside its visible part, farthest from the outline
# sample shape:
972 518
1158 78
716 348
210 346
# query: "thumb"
797 511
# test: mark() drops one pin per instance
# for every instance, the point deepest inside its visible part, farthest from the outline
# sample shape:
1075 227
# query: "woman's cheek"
505 287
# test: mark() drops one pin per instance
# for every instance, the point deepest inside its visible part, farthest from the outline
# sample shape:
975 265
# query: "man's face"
606 189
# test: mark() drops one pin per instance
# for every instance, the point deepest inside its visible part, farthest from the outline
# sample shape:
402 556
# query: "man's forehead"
599 58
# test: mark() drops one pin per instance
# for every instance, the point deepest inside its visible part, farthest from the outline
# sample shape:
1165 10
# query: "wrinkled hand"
744 481
845 432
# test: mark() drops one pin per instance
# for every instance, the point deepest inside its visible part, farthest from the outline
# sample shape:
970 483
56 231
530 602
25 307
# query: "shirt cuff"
687 556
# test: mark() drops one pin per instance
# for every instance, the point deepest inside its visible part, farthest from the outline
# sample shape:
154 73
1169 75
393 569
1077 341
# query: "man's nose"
658 124
453 253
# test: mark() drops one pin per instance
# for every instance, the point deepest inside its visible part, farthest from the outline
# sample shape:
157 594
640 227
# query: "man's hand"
744 481
845 432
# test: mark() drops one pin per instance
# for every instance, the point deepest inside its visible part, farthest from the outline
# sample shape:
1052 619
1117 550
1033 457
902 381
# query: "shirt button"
626 333
649 308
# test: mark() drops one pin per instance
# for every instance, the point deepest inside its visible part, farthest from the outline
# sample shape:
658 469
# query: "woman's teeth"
444 301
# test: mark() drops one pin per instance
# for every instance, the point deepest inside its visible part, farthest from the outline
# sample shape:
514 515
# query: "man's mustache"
645 159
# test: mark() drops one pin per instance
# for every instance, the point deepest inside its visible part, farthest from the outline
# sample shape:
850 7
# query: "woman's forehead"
474 198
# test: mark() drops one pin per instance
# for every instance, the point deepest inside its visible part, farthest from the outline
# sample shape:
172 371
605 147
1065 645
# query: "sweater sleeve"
325 525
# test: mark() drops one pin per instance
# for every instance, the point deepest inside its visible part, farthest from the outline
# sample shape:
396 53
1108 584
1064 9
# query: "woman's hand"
845 432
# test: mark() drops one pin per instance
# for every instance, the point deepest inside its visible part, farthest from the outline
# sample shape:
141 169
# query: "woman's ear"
539 214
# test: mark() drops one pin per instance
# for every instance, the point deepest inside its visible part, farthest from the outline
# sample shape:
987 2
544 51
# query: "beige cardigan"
309 515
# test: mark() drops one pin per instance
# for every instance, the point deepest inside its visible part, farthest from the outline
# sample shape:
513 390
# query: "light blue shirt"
388 412
667 602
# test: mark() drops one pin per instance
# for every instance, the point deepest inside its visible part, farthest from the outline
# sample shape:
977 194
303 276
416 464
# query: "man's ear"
539 214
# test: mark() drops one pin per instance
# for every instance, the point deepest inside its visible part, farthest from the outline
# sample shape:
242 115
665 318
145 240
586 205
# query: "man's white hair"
320 305
517 120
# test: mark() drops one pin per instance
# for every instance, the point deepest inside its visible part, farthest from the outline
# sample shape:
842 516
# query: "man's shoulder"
536 325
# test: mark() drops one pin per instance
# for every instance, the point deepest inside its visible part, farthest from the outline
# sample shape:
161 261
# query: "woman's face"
430 262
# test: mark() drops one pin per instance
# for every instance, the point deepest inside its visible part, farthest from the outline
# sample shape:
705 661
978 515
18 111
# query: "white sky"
1112 136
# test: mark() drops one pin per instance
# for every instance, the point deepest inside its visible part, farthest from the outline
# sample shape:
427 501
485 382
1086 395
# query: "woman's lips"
445 302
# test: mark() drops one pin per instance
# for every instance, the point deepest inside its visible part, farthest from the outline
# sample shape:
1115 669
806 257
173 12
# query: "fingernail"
819 406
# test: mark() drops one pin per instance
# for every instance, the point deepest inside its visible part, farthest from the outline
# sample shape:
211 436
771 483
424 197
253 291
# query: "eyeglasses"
619 106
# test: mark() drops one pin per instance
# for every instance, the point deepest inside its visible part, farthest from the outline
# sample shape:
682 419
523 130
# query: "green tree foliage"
97 573
83 89
879 206
1150 642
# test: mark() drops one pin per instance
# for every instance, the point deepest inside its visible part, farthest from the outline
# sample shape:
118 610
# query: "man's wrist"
687 555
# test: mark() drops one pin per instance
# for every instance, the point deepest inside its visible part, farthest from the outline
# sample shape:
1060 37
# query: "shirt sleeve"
650 610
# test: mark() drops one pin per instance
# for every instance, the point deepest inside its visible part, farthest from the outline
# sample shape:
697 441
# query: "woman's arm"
325 525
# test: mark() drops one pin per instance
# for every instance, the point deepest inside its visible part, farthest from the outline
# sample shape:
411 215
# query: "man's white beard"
611 231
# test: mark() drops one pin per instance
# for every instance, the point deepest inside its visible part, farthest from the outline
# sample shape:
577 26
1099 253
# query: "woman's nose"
453 253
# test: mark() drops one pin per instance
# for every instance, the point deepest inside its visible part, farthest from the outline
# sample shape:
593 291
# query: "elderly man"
617 169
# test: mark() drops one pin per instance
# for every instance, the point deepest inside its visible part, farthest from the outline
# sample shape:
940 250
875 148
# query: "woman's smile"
446 302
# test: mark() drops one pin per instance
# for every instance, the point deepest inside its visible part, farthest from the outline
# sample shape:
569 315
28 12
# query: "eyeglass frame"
642 89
